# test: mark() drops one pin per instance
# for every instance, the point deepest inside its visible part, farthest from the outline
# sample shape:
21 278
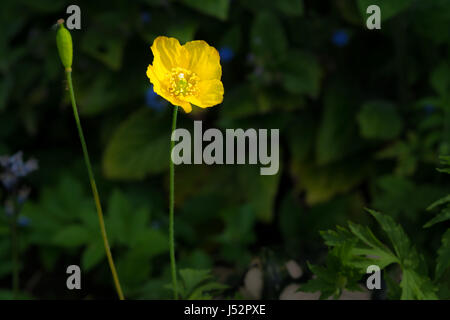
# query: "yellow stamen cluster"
182 82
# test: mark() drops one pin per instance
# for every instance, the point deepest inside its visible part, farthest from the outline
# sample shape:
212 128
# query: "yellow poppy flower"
185 74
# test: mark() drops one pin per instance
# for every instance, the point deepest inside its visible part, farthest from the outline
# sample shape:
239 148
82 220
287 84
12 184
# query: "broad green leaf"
72 236
95 95
267 38
107 48
321 183
440 79
337 133
139 147
290 7
215 8
301 74
428 18
259 190
184 32
379 120
6 86
443 259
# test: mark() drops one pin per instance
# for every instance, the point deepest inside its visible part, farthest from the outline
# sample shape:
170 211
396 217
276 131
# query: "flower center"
182 82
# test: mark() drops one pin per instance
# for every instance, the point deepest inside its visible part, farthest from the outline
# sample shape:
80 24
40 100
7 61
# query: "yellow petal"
186 106
160 88
210 94
168 54
204 60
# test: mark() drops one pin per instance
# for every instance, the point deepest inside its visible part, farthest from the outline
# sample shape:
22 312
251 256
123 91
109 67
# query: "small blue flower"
8 180
429 109
23 221
22 195
146 17
15 168
154 101
226 54
340 38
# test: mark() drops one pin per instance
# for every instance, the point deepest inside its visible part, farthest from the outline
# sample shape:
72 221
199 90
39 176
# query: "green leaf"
429 17
444 215
292 8
195 284
384 255
215 8
139 147
443 260
388 8
301 74
6 86
440 79
416 287
267 38
439 202
72 236
260 190
321 183
93 255
337 133
107 48
398 238
184 32
379 120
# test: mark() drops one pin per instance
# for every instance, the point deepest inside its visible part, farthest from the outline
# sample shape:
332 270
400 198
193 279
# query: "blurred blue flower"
146 17
154 101
23 221
429 109
226 54
340 38
14 168
22 195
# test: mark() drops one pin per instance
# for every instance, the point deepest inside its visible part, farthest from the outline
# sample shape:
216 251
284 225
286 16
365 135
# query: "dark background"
363 117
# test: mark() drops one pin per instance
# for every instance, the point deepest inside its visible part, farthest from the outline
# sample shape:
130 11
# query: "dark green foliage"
363 117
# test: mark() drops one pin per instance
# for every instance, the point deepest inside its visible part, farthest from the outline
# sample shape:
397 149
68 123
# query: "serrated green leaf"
415 286
444 215
443 259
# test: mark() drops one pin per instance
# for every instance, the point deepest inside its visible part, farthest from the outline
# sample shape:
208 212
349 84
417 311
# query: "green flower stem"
15 255
94 187
171 209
